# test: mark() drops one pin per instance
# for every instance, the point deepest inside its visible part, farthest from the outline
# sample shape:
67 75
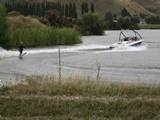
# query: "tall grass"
79 86
32 37
43 98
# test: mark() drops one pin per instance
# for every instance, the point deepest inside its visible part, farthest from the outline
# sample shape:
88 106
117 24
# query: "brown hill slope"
134 8
151 5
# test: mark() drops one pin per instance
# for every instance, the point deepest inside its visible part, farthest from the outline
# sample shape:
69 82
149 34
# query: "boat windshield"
130 39
127 36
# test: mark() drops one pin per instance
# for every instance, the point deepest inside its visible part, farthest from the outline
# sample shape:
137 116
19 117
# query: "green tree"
125 13
84 8
74 11
66 10
3 27
109 16
92 7
92 24
70 10
127 23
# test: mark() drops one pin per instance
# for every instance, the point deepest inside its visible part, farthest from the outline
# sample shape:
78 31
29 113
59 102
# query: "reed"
33 37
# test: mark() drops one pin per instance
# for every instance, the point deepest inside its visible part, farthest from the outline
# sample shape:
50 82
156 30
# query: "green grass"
79 99
149 26
33 37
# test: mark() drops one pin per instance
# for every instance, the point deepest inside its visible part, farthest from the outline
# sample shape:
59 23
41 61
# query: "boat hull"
125 44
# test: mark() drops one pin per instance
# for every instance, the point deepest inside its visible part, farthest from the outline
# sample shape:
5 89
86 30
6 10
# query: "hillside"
151 5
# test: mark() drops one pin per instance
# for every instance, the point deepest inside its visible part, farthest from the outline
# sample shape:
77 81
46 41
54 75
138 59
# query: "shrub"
92 24
153 20
21 21
127 23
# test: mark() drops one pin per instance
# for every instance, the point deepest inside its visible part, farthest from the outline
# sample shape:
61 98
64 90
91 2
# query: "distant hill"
151 5
146 7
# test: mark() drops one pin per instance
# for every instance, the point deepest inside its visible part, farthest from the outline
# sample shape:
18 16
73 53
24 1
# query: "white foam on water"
128 49
7 53
81 48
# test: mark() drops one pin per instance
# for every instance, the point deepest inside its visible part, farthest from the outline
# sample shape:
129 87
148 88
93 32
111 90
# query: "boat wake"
81 48
128 49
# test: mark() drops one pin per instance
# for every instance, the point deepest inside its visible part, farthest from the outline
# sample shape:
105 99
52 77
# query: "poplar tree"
3 27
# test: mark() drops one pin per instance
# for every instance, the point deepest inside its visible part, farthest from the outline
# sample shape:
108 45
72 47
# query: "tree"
84 7
92 7
70 10
125 13
135 19
66 10
126 23
74 11
3 27
92 24
109 17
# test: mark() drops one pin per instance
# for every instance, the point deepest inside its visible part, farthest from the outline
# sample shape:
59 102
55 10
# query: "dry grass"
44 98
79 87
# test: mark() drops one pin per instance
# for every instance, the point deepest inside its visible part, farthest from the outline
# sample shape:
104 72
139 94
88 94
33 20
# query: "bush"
92 24
3 26
21 21
153 20
149 26
32 37
127 23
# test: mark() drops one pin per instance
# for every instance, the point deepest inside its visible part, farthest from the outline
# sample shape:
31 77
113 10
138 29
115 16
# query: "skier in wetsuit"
20 48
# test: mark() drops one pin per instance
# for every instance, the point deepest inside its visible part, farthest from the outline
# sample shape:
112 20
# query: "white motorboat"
127 41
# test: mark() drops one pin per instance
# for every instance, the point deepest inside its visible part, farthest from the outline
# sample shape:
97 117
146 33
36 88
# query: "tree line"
40 8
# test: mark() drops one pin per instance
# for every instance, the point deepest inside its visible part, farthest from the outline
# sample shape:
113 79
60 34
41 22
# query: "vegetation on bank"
32 32
149 26
153 20
92 24
74 98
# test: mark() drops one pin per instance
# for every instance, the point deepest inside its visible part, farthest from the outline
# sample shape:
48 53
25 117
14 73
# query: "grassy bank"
149 26
76 99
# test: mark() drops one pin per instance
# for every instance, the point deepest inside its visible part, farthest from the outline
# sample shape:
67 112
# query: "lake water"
138 65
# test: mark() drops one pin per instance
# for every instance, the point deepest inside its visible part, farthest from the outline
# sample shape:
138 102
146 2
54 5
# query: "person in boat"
20 49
